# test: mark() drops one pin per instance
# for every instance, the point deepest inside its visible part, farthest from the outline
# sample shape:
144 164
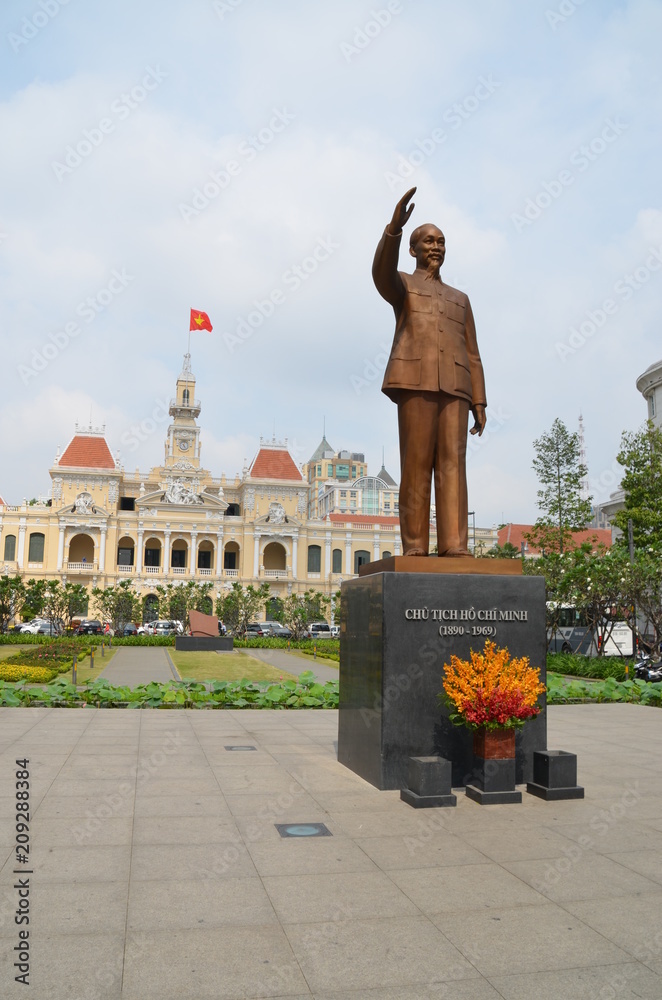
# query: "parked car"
257 629
147 628
335 631
30 627
90 626
41 626
318 630
280 632
166 627
129 629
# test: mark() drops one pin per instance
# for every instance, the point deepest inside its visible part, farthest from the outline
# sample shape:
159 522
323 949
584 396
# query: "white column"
102 550
375 546
219 553
256 555
139 553
396 545
193 564
20 555
295 557
327 554
348 554
166 553
60 549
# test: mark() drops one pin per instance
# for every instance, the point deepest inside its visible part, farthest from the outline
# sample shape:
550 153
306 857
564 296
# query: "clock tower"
182 446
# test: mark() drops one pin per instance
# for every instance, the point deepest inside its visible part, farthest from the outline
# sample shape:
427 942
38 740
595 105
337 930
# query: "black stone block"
427 801
554 794
493 775
492 798
555 768
392 666
224 643
429 775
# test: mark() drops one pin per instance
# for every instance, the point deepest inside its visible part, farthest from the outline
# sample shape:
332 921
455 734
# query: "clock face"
183 445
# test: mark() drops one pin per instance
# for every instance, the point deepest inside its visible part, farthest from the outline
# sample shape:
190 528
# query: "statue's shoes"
455 552
415 552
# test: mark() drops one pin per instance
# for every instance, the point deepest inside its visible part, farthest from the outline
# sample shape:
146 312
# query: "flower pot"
493 778
494 744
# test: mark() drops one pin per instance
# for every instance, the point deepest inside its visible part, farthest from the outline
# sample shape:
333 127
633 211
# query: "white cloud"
322 176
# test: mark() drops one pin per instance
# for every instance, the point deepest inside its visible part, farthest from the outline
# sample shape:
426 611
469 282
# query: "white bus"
573 635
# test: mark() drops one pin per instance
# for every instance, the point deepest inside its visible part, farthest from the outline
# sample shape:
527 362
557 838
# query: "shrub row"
589 666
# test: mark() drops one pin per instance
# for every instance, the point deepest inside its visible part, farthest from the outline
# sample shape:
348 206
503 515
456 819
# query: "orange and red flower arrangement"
491 690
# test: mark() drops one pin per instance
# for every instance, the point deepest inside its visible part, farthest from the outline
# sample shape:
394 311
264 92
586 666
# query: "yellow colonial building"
177 522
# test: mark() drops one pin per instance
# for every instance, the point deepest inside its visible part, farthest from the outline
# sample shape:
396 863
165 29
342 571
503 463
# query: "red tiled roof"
2 502
274 463
364 519
87 452
514 533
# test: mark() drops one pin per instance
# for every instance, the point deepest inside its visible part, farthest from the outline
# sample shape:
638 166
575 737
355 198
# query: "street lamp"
472 514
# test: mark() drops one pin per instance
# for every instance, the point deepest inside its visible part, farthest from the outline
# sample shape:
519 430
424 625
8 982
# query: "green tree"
64 602
644 593
505 551
596 584
301 609
560 474
118 605
242 605
11 599
641 457
33 599
338 608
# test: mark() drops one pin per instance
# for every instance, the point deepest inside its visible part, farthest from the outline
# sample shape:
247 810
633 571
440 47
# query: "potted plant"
492 694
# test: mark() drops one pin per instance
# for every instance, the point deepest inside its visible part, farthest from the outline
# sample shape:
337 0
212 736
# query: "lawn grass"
6 651
100 663
329 661
234 666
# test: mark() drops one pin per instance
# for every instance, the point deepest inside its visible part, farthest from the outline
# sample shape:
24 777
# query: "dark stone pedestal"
400 629
555 776
493 781
428 783
204 642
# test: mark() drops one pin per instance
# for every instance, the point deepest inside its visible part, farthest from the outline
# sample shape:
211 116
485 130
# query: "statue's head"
427 244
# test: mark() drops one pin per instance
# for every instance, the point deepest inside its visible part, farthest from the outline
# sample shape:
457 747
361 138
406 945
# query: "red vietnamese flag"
200 321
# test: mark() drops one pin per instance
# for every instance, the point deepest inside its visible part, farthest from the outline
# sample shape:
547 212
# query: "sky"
242 157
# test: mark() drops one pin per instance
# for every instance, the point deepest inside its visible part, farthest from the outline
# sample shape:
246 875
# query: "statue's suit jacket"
434 347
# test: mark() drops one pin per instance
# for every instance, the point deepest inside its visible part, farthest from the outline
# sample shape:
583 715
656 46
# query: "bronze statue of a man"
435 376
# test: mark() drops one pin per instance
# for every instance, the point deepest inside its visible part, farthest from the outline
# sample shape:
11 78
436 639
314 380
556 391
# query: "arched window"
386 554
185 397
233 510
360 558
10 547
337 561
314 559
150 608
36 547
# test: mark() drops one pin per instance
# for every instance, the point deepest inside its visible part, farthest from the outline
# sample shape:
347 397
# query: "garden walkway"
134 665
324 670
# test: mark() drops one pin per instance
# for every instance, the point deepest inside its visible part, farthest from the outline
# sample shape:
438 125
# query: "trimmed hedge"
589 666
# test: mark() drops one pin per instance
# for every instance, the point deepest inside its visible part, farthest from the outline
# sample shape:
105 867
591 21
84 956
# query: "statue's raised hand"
401 213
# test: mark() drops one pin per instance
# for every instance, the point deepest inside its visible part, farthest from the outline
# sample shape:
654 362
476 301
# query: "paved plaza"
159 873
